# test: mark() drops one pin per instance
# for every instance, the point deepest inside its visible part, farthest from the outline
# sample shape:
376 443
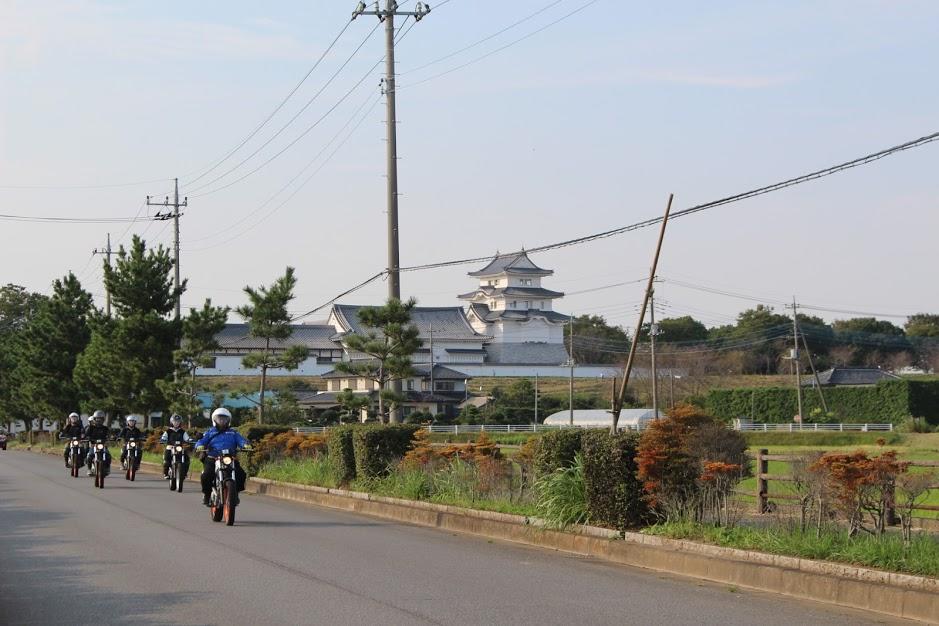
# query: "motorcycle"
77 452
132 459
224 496
3 441
179 461
98 464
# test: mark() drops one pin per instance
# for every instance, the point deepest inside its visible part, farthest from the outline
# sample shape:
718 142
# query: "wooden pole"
618 405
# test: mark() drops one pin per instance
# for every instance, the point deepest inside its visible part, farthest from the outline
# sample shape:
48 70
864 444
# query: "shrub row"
255 432
888 401
368 451
556 450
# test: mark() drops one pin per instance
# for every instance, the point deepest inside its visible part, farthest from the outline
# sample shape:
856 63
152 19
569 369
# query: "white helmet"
73 417
131 418
221 417
176 420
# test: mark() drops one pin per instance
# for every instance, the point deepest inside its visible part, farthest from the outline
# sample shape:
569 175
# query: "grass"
508 439
304 472
886 552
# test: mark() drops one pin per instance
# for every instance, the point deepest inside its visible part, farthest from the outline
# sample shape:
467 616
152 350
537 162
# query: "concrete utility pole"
795 355
653 333
571 363
175 215
818 383
387 15
536 399
107 292
432 358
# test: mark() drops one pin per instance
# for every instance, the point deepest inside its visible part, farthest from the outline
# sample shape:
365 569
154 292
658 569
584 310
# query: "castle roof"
448 323
521 292
514 263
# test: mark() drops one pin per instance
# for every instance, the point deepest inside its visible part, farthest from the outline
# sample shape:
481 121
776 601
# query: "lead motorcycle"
77 452
99 462
3 441
224 497
179 464
132 459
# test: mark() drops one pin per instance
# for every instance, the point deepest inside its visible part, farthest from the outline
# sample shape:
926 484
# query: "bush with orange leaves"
862 487
287 445
689 464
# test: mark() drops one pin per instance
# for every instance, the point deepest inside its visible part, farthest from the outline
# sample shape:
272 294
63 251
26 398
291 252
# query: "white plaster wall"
230 365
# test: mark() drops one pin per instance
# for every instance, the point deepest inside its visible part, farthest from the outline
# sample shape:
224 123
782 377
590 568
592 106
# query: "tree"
389 341
760 334
200 328
922 325
873 340
269 320
867 325
129 354
596 341
50 346
679 329
352 404
17 307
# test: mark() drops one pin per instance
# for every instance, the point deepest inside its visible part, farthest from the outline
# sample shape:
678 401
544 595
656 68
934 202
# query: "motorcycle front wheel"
228 499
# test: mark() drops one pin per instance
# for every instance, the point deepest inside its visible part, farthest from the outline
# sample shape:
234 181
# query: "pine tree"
389 341
269 320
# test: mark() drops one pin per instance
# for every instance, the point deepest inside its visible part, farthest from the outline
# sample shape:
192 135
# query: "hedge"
556 449
378 446
888 401
614 492
256 432
341 452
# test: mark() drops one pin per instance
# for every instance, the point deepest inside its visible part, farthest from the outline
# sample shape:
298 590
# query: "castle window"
514 304
526 303
526 282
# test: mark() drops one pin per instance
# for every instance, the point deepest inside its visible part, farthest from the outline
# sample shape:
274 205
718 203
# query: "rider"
218 438
130 431
173 435
73 428
97 431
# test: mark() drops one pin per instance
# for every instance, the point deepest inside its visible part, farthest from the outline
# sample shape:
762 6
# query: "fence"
456 429
764 477
808 428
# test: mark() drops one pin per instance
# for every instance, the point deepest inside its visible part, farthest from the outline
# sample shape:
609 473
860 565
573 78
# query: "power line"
341 295
88 186
289 122
71 220
501 48
278 107
484 39
828 171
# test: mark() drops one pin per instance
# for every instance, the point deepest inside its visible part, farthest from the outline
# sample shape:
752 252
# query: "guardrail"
809 428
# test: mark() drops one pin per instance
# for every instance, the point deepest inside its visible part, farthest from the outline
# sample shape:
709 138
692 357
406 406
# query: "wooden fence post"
762 488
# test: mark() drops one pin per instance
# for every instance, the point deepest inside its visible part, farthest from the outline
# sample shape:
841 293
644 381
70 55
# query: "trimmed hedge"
341 452
378 446
614 492
887 401
256 432
556 449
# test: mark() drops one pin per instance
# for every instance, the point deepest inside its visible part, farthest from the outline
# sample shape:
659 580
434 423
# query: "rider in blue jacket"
217 439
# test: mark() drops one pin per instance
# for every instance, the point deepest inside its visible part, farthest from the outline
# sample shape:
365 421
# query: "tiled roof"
486 314
526 353
521 292
514 263
449 323
422 370
313 336
850 376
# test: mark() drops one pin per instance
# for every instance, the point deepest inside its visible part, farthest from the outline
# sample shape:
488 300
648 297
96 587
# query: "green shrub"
252 431
557 450
378 446
613 490
820 438
562 496
341 452
887 401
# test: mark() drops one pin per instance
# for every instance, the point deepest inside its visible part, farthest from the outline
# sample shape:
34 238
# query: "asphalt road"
135 553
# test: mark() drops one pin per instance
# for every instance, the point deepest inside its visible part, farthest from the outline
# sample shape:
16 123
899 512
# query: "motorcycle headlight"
179 448
99 446
133 444
227 460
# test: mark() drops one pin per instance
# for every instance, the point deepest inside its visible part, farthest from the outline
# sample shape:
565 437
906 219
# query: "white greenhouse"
633 419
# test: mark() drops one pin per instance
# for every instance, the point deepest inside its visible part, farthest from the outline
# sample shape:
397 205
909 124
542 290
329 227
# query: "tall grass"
313 471
562 495
886 552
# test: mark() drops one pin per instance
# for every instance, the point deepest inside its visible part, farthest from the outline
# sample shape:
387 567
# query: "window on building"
407 410
514 304
410 384
209 363
443 385
526 282
526 305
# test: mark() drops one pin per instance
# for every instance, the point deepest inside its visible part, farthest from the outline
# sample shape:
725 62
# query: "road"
135 553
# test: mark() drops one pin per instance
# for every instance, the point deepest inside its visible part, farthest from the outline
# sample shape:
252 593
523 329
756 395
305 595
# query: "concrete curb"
898 595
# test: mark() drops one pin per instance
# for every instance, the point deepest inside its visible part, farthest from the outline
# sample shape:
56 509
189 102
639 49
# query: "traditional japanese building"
511 306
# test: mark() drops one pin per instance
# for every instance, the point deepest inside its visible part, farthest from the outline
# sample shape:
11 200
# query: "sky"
567 123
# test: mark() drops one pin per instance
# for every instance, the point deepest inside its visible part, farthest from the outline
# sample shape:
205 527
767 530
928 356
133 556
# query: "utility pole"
618 405
571 363
107 292
175 215
536 399
387 15
795 355
653 333
432 358
818 384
